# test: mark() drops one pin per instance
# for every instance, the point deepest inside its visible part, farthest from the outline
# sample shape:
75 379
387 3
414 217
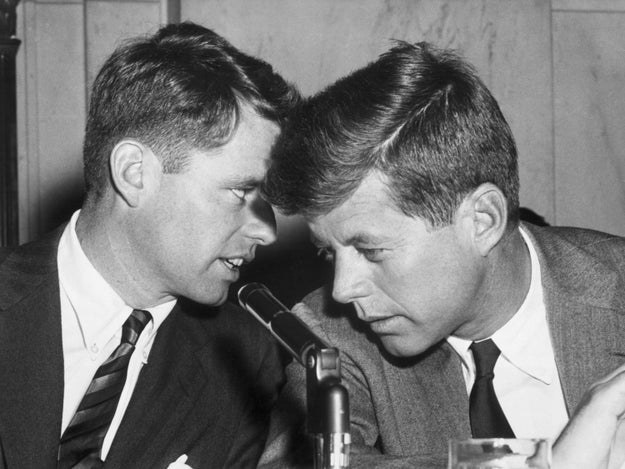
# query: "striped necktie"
81 442
486 415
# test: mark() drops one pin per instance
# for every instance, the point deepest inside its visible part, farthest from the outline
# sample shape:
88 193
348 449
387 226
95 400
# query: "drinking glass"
499 453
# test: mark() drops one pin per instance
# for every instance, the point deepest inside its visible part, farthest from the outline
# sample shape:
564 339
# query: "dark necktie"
81 442
487 417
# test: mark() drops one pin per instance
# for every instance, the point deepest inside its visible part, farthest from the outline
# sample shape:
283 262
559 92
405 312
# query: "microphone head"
246 290
258 300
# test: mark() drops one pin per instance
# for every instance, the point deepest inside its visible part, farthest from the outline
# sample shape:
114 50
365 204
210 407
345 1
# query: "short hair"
418 115
177 90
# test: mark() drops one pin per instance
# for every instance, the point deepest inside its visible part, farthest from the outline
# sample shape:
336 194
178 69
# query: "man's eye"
326 254
240 193
372 255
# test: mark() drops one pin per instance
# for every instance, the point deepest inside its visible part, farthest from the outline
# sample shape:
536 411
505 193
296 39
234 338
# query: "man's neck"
506 284
103 239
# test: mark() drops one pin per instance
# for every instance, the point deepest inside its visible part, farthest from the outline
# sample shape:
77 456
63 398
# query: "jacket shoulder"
581 244
24 268
339 325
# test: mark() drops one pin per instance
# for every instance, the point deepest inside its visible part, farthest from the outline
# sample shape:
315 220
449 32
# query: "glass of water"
499 453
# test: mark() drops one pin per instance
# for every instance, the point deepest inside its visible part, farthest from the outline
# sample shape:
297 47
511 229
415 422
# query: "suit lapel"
444 396
584 311
178 398
31 401
584 346
431 396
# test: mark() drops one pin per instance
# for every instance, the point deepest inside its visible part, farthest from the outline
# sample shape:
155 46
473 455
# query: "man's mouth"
384 325
234 263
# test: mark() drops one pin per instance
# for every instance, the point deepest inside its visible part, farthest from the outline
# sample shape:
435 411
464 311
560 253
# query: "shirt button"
94 348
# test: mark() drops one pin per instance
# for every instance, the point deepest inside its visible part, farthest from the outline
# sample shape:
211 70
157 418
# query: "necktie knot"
485 354
134 325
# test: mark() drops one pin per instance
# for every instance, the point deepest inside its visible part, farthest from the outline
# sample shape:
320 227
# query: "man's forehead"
369 216
360 228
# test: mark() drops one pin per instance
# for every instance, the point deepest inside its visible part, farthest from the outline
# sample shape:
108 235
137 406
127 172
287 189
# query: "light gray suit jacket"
404 411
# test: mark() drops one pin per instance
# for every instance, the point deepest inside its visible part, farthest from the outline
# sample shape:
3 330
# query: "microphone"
290 331
327 399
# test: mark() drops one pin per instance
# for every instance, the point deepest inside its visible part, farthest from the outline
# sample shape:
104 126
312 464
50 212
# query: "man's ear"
488 213
128 170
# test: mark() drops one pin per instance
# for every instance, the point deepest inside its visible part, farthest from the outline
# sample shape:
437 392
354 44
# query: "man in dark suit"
453 319
115 342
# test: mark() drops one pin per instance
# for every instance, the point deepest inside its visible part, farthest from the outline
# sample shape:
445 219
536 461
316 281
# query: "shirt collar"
99 310
524 340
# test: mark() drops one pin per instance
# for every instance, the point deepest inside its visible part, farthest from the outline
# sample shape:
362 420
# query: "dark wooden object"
9 232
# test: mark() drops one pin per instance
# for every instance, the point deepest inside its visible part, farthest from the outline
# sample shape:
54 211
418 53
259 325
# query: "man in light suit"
406 173
116 347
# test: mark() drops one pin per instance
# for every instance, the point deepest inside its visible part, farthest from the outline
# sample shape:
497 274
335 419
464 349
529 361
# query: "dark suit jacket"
408 409
212 375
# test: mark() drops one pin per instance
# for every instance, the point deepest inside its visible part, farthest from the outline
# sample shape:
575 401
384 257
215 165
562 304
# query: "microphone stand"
327 400
327 408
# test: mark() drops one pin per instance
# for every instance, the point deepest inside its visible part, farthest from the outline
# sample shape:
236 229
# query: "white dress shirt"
92 315
526 380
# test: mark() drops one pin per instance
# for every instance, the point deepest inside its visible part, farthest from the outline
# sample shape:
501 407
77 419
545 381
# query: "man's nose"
347 282
263 224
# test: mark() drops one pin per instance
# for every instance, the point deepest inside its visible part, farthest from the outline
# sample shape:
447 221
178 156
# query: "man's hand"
594 438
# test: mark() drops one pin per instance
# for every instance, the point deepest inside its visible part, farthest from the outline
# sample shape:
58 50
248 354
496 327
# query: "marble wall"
313 43
556 68
589 114
63 44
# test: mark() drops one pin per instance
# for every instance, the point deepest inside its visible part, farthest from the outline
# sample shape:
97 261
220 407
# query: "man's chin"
216 295
402 347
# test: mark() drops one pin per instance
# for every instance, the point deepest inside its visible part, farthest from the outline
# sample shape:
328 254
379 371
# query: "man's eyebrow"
362 238
359 238
237 180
